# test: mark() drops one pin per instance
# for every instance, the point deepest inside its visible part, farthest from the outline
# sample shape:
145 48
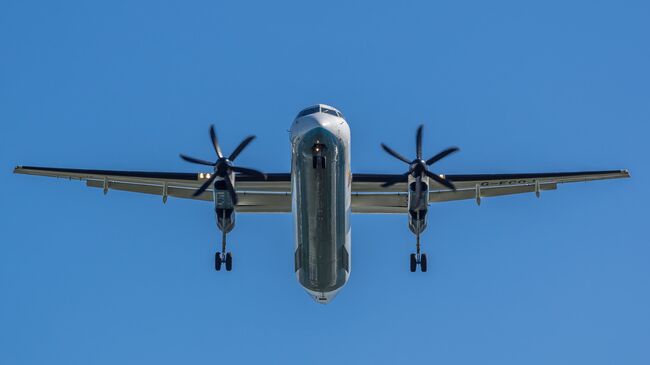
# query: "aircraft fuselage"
321 184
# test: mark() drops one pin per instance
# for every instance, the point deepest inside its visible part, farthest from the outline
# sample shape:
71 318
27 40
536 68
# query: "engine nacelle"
224 207
418 206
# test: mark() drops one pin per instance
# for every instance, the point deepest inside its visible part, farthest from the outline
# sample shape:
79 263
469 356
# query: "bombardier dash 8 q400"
321 192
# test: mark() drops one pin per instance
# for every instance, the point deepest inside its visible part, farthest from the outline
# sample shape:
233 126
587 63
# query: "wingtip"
626 172
18 167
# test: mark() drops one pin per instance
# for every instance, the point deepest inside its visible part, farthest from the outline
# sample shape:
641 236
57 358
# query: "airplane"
321 192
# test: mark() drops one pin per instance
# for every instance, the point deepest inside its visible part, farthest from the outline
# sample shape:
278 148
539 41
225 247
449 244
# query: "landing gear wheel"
423 262
217 261
228 261
414 262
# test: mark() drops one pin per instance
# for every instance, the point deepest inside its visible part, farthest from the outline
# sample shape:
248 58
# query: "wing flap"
462 194
153 189
371 183
249 202
396 203
379 203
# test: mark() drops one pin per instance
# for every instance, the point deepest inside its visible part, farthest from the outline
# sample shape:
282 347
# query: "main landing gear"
220 259
418 258
223 257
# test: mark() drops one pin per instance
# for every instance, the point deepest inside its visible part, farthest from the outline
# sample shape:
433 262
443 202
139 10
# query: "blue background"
520 87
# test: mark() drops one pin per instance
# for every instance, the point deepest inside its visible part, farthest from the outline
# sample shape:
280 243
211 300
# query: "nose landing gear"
318 160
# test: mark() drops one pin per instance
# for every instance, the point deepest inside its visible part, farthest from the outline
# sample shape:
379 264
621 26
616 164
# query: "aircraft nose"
320 120
322 297
313 121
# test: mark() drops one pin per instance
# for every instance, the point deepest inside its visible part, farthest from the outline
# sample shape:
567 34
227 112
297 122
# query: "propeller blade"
205 185
241 147
247 171
215 142
196 160
442 155
395 180
418 142
231 189
440 180
395 154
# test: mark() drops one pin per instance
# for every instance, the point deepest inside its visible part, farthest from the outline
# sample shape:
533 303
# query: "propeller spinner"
223 166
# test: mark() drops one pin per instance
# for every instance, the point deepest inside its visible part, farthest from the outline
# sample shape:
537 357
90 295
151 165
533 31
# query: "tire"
228 261
217 261
414 263
423 262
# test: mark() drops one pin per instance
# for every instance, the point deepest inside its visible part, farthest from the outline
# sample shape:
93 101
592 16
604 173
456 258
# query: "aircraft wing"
369 197
273 195
256 195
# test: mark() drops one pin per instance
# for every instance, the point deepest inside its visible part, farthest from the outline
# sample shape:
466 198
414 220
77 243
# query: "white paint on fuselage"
339 128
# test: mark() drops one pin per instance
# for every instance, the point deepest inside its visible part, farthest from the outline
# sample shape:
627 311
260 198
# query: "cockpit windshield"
308 111
319 109
330 111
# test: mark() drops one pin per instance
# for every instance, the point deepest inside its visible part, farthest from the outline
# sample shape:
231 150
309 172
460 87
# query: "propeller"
419 166
223 166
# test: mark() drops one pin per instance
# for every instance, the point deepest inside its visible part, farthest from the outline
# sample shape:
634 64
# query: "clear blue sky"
543 86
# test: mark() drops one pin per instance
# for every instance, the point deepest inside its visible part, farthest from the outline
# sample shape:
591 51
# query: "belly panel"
322 226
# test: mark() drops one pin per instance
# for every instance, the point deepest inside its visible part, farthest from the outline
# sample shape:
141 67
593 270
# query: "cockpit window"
308 111
317 109
329 111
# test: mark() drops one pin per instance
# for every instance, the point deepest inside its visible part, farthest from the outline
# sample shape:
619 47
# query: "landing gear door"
223 200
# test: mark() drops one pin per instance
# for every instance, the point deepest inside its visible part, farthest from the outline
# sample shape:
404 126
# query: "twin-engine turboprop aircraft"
321 192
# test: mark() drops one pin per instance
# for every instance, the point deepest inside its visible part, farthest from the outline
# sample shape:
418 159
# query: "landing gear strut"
418 258
223 256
